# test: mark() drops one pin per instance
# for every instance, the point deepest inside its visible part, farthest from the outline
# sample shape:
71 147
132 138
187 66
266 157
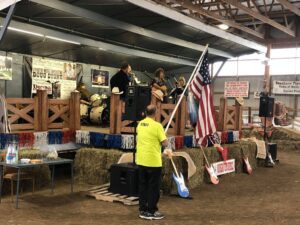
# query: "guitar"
210 170
213 177
247 165
270 159
163 89
179 180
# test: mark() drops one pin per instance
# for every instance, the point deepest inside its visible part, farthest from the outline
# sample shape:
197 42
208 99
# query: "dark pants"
149 184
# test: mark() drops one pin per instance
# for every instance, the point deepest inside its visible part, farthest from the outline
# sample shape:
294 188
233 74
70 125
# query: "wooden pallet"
102 193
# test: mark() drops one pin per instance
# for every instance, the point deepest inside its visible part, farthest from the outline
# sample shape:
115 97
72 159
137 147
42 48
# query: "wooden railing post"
36 113
238 116
41 108
249 115
115 111
74 123
120 111
181 118
222 123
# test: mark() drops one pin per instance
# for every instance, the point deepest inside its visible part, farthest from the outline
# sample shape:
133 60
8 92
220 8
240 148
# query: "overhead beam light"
24 31
63 40
223 26
41 35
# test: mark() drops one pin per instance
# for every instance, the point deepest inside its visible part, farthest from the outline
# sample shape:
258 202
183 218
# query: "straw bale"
92 164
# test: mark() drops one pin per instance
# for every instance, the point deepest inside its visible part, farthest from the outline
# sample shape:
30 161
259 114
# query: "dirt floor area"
269 196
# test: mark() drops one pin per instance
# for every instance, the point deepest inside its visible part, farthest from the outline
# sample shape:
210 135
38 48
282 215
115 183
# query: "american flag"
200 87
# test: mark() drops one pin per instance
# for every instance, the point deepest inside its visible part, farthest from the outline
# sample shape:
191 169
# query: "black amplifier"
124 179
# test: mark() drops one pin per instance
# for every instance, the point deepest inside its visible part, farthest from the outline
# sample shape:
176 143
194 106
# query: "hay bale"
287 145
168 184
283 134
235 152
248 133
92 164
198 158
249 149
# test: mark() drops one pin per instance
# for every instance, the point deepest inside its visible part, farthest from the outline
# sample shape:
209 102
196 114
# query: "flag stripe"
200 87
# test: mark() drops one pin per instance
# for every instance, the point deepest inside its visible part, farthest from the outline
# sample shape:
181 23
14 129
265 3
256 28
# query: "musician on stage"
150 138
122 79
180 85
159 82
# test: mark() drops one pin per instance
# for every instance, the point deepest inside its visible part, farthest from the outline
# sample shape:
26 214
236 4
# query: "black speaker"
266 105
124 179
136 100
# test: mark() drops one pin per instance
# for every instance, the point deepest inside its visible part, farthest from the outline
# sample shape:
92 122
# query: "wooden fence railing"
229 117
41 113
21 109
163 113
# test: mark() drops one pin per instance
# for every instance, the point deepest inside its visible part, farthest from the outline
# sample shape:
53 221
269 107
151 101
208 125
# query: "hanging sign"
224 167
286 87
5 68
234 89
57 77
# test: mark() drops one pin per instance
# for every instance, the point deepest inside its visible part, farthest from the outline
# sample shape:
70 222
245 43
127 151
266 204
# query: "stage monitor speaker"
136 100
124 179
266 105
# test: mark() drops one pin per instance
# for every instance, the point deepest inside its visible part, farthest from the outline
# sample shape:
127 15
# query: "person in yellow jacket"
150 139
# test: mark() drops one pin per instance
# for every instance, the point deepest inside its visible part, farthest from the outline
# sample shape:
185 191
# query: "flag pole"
186 87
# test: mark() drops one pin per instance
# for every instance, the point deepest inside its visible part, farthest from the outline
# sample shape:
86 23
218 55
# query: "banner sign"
5 68
57 77
236 89
224 167
286 87
100 78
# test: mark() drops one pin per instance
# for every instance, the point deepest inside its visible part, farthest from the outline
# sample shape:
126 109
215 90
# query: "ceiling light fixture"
63 40
223 26
25 31
41 35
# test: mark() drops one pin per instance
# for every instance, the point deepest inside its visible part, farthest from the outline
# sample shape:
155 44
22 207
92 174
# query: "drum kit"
96 111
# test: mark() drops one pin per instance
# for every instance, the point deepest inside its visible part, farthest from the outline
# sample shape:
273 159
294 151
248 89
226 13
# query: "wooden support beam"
267 72
260 17
172 14
7 21
289 6
207 13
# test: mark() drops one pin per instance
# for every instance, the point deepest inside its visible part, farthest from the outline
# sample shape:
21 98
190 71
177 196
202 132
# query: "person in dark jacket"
121 79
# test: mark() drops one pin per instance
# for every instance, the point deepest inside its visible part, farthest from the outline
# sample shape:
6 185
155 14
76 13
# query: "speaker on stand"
266 108
124 177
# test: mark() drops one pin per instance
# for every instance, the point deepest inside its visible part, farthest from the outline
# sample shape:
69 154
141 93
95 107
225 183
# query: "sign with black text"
286 87
57 77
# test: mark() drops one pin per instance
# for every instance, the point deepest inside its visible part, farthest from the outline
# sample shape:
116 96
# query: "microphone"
135 78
